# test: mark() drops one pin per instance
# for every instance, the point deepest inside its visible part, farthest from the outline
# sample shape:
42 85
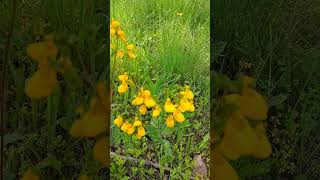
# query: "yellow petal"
137 101
263 147
137 122
41 84
252 105
156 112
149 102
100 151
170 121
178 116
125 126
238 139
92 123
29 175
168 106
83 177
118 121
123 88
222 170
130 129
41 51
141 132
123 77
143 109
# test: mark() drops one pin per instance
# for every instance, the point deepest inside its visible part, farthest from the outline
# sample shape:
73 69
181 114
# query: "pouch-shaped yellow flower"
187 93
137 122
222 170
123 78
118 121
178 116
170 121
125 126
156 112
141 132
168 106
123 88
238 139
130 129
137 101
184 105
42 83
29 175
93 122
42 51
100 151
149 102
263 147
143 109
251 104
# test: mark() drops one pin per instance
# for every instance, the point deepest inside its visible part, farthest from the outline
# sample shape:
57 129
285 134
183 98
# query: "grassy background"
280 39
36 133
172 50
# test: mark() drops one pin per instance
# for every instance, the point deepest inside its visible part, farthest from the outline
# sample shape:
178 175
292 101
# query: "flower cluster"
130 128
145 101
240 138
116 33
185 105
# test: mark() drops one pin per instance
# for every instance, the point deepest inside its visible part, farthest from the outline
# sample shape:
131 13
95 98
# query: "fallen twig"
146 162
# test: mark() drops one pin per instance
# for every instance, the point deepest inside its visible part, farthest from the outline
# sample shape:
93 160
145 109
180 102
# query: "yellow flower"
29 175
184 105
132 55
120 32
141 132
114 24
130 47
42 51
263 147
187 93
143 109
178 116
137 101
42 83
156 112
238 139
251 104
44 80
125 126
93 122
146 93
170 121
168 106
118 121
137 122
130 129
149 102
100 151
123 88
123 78
120 53
112 31
222 169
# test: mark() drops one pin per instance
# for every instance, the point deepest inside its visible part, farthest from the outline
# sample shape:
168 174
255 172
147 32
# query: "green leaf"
50 161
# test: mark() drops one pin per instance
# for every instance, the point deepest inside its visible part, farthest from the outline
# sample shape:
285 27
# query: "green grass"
280 39
37 131
172 50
